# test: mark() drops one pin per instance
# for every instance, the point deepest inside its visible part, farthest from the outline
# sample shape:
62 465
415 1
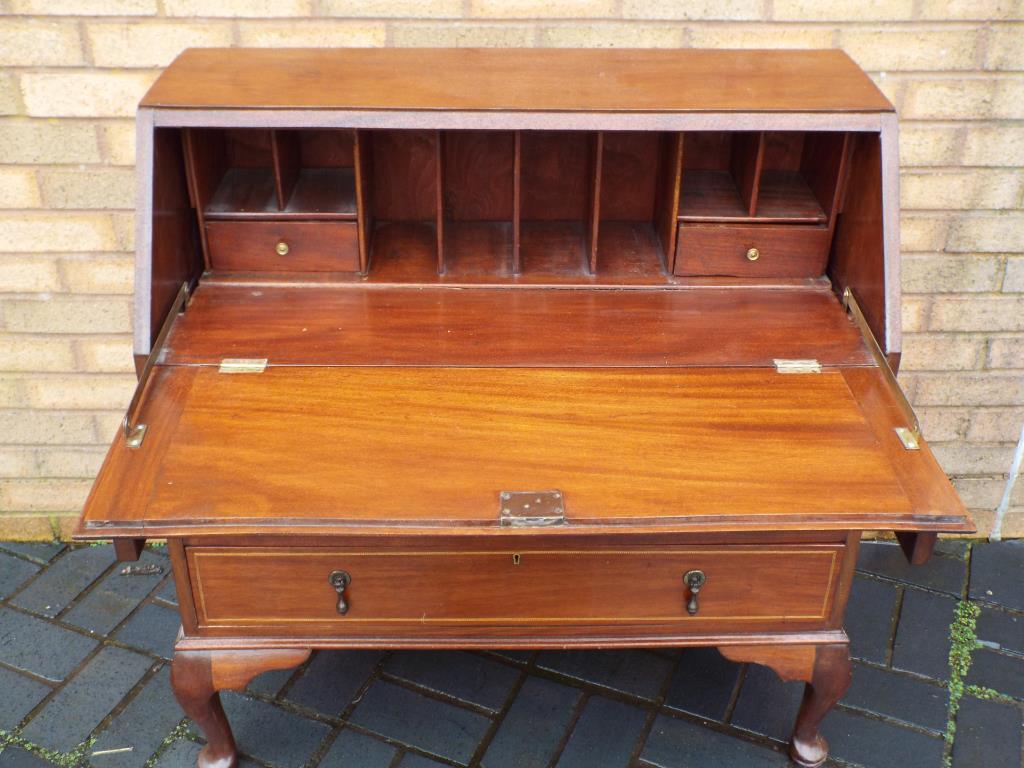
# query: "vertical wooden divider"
747 159
517 164
363 160
205 165
439 179
666 210
593 222
284 152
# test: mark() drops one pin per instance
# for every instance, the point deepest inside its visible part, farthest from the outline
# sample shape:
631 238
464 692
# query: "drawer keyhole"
694 580
340 581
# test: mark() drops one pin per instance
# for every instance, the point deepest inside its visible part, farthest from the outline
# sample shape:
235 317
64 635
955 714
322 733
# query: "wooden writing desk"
534 349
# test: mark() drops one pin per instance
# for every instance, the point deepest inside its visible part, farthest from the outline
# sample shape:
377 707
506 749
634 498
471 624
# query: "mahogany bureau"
516 349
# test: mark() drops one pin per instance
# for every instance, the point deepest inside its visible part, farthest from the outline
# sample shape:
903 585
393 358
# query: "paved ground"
84 674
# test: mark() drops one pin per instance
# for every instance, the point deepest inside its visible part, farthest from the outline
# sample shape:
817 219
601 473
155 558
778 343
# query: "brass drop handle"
282 248
753 254
340 581
694 580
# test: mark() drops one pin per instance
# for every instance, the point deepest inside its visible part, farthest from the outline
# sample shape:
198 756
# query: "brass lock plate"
530 508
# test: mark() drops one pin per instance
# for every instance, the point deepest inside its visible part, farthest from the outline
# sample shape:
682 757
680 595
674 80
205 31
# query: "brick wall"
71 72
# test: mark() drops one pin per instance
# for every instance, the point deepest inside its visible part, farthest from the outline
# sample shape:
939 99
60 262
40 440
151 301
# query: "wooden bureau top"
514 80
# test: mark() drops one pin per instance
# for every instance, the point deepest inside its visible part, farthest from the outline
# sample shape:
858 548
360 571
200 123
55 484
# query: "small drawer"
285 246
754 250
419 592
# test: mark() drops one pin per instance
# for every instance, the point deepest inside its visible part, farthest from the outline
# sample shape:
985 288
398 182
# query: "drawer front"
285 246
417 592
781 251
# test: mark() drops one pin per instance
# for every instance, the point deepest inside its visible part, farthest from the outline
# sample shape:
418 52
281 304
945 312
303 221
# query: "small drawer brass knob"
693 580
282 248
340 581
753 254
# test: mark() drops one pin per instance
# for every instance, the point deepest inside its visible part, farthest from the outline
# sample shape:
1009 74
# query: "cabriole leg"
828 683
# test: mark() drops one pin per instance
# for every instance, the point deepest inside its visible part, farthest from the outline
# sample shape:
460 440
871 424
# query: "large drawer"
754 250
283 246
289 591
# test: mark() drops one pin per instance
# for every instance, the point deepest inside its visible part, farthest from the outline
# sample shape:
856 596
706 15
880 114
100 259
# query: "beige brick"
43 495
103 275
981 313
129 44
940 273
32 43
948 99
971 459
35 353
111 355
84 94
124 230
88 188
994 145
28 274
989 234
915 313
10 95
935 352
919 233
398 9
70 462
38 141
17 462
1014 280
75 392
542 9
34 233
726 10
760 36
928 145
980 492
25 527
251 9
85 7
979 10
118 138
611 36
1006 352
1013 523
884 48
1009 99
108 425
843 10
11 393
961 389
318 34
963 190
18 189
1005 49
46 428
464 35
941 424
68 314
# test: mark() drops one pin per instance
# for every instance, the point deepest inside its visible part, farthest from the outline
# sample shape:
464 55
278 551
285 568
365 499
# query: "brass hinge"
797 366
520 509
243 365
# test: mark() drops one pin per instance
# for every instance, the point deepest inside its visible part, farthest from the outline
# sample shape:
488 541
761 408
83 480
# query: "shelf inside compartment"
320 193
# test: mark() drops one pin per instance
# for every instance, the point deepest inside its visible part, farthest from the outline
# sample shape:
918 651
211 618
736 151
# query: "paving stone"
466 676
332 679
433 726
14 572
144 724
73 713
153 628
997 573
418 761
636 672
19 696
181 754
40 552
987 733
952 547
357 750
533 727
110 602
874 743
941 573
168 592
703 683
998 671
63 581
14 756
767 705
1001 629
270 683
520 657
868 622
605 734
270 734
922 637
900 697
676 743
41 648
